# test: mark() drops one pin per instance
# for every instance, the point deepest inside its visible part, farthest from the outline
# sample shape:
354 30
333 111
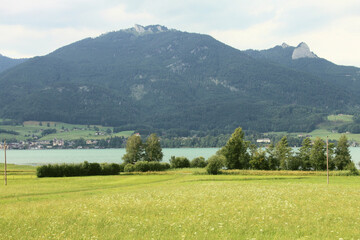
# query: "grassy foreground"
180 205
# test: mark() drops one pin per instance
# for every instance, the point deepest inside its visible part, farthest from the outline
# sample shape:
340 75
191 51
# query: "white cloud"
337 42
119 15
21 41
330 27
252 37
16 7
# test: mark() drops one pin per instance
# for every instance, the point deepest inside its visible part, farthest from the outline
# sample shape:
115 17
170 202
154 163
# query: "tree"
259 161
179 162
215 163
283 153
274 162
331 148
304 154
318 155
134 150
342 153
153 151
108 131
198 162
235 151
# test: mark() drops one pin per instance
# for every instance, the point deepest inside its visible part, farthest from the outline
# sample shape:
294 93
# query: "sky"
331 28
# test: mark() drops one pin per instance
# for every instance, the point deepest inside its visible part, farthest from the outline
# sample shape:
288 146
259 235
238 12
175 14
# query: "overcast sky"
331 28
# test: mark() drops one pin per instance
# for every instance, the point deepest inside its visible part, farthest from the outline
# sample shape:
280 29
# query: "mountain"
6 62
163 78
302 59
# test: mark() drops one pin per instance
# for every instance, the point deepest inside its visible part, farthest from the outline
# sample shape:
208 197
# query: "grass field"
75 131
340 118
326 128
180 205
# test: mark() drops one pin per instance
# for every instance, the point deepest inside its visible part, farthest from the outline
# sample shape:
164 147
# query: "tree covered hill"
167 79
6 62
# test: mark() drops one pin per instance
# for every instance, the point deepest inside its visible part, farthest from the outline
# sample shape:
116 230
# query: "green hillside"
34 130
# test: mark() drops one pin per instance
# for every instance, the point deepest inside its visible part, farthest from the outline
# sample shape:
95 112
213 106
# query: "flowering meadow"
181 206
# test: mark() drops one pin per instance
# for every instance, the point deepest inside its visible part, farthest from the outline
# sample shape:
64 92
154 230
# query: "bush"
179 162
121 167
215 163
110 169
141 166
352 169
129 168
82 169
198 162
156 166
144 166
94 169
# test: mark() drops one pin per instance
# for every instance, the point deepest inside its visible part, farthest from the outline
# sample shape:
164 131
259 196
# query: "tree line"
241 154
312 155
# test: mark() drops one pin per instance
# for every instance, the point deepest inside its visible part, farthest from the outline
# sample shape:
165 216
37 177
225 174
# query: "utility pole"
5 170
327 158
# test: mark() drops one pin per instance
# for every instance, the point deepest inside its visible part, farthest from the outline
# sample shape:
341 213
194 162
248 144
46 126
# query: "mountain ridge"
347 77
6 62
170 79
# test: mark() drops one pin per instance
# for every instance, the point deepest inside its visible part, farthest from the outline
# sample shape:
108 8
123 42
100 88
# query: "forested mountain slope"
166 79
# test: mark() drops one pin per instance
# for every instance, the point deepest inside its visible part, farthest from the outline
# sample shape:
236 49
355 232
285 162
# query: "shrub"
141 166
82 169
156 166
352 169
215 163
198 162
110 169
122 166
129 168
144 166
94 169
179 162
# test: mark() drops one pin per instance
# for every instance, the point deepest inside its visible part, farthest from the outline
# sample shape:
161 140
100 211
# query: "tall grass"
181 206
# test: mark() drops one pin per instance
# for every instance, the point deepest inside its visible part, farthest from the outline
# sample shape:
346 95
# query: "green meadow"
326 129
180 205
72 131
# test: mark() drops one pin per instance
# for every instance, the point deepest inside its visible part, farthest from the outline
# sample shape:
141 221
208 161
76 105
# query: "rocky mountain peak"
284 45
141 30
303 51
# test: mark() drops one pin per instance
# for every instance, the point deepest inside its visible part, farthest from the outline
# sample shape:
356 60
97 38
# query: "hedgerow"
144 166
80 169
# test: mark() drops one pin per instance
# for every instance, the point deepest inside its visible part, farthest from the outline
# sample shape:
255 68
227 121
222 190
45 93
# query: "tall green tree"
331 148
153 150
342 153
134 150
235 151
274 162
318 155
283 153
304 154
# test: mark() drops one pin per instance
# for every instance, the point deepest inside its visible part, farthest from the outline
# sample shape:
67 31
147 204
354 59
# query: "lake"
35 157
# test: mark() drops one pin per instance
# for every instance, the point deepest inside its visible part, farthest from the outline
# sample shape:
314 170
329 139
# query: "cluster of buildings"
47 144
35 144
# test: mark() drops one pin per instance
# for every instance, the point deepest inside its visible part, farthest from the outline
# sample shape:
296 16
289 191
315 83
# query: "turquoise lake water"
34 157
